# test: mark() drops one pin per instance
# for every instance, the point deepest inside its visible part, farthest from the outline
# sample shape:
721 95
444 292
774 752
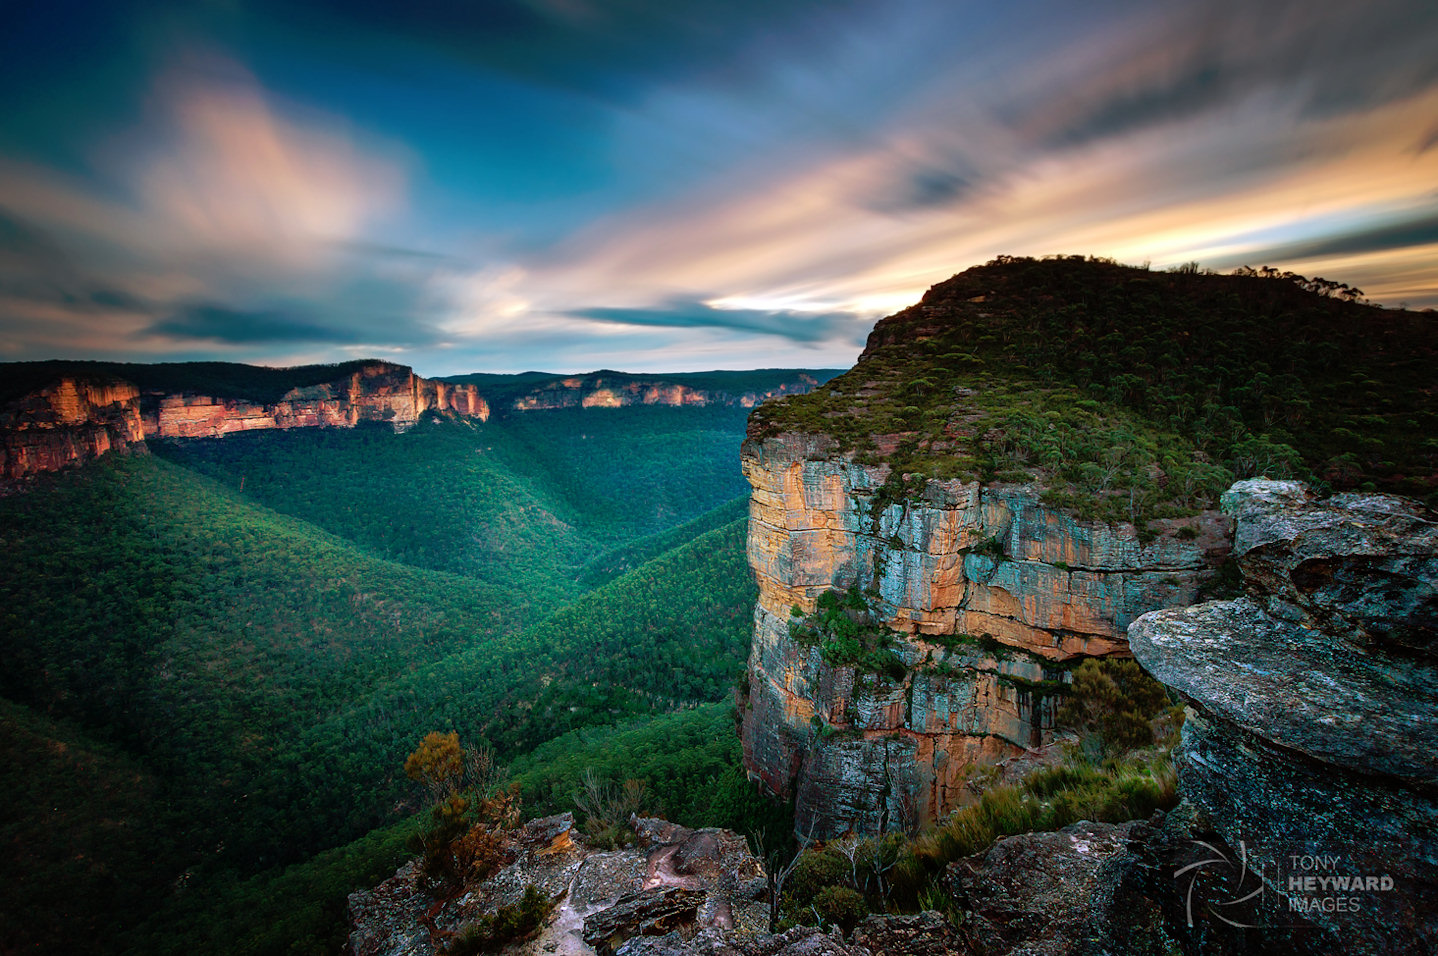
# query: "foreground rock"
1309 747
1043 892
675 881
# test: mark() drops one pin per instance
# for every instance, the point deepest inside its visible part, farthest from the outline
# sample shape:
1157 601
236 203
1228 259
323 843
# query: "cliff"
83 413
67 422
1019 466
981 594
603 391
538 391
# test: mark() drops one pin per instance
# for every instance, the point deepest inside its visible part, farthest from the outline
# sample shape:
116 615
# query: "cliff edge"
1312 712
79 411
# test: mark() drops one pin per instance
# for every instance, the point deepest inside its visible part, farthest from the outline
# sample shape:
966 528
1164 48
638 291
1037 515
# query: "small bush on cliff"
844 629
607 808
508 924
462 841
840 906
1115 701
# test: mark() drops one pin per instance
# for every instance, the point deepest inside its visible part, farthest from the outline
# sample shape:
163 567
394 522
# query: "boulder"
1308 745
650 913
1042 893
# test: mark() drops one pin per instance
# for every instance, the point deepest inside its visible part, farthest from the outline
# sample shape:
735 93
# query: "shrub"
508 924
1116 700
841 906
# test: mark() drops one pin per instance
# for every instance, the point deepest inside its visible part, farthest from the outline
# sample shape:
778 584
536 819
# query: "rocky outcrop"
675 883
1043 892
987 594
601 390
378 392
68 422
76 419
1309 743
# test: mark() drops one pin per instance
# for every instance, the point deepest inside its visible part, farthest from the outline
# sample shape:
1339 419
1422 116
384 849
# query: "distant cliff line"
57 414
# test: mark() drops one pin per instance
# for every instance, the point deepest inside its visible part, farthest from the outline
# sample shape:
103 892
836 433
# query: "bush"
841 906
1116 700
508 924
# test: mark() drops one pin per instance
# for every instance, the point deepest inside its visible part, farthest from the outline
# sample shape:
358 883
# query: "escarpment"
67 422
80 415
976 598
536 391
597 391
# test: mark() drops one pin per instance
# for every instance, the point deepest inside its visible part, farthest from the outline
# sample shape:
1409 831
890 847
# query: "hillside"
264 673
1135 394
532 498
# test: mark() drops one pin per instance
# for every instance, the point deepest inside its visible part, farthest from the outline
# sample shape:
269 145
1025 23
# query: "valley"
237 640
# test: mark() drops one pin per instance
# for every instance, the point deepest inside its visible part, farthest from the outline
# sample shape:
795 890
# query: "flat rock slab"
1297 688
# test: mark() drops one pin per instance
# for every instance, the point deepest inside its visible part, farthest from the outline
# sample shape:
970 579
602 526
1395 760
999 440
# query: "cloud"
220 323
610 49
235 175
222 218
1175 62
1407 233
680 314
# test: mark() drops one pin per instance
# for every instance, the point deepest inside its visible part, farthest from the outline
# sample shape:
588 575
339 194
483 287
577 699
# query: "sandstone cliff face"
989 594
597 391
66 423
1312 710
377 393
75 420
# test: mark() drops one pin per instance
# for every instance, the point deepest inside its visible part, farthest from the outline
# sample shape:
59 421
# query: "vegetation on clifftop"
1131 395
255 383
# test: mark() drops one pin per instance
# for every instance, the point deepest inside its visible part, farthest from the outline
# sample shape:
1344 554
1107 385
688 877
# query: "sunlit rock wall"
75 419
992 595
66 423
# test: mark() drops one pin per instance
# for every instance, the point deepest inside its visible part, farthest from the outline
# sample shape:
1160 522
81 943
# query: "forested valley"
219 654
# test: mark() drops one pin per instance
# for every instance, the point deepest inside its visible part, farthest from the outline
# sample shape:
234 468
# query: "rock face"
76 419
379 392
618 391
989 594
1043 892
68 422
1310 741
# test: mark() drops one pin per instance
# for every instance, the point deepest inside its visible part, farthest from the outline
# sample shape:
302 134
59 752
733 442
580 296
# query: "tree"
438 764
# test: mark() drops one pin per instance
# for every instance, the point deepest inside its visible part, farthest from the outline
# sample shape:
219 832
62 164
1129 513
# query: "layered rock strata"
77 419
376 393
989 596
1313 715
67 422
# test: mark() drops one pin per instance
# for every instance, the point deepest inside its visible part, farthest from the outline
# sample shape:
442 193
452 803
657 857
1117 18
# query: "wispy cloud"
219 323
681 314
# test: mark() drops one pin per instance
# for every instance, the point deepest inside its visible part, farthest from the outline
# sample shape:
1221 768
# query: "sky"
662 185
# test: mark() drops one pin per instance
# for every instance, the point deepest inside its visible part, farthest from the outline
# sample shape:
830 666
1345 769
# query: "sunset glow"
573 186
